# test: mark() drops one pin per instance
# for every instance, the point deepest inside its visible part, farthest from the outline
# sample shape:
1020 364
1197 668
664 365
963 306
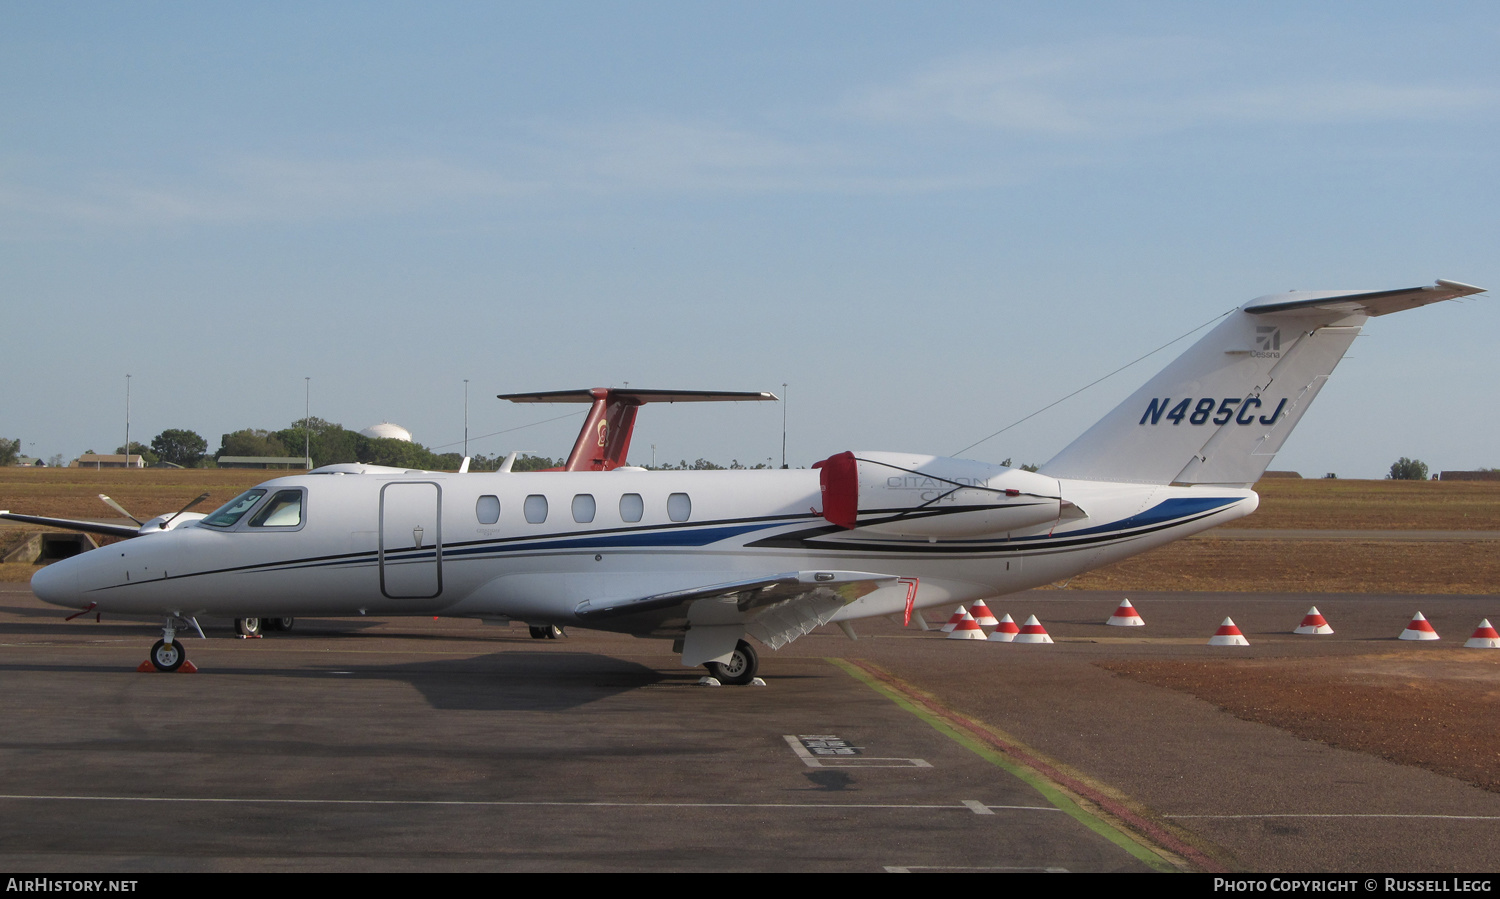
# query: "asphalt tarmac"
439 745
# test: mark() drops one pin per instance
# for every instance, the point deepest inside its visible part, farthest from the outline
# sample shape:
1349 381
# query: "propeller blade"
119 508
201 498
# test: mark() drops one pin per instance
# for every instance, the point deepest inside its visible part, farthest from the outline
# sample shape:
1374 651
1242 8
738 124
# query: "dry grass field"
1376 505
1201 563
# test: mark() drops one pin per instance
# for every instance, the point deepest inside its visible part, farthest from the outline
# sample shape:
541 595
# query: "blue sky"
929 220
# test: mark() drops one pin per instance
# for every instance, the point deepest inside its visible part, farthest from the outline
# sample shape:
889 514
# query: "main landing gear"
546 632
740 668
255 627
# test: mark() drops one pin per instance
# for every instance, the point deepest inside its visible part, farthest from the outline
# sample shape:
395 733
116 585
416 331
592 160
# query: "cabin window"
632 507
487 509
536 508
679 507
583 508
284 510
235 509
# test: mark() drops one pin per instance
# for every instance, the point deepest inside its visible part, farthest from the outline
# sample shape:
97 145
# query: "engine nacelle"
931 496
169 522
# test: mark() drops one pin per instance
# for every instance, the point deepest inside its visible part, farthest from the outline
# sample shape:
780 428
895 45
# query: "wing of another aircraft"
108 529
72 524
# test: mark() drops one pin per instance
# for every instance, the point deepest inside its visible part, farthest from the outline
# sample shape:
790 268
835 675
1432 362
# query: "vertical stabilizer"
1221 410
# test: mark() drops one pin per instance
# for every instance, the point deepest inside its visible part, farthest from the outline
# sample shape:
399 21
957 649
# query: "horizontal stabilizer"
640 397
1375 302
604 440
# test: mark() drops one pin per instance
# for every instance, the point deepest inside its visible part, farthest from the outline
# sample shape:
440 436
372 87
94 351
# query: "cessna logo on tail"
1267 341
1208 409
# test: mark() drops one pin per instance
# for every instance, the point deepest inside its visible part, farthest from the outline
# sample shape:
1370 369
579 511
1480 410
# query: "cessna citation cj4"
711 558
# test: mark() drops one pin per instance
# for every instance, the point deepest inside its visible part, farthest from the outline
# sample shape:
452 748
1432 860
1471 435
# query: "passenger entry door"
411 540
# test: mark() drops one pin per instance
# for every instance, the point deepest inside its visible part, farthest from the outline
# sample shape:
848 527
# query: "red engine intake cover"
838 478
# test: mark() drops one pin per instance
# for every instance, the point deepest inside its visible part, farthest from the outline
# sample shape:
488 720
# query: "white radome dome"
387 430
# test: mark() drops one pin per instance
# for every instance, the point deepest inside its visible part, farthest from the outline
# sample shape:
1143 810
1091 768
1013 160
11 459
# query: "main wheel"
540 633
278 624
741 667
247 627
167 656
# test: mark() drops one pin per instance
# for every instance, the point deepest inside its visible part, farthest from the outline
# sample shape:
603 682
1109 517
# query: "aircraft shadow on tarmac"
516 681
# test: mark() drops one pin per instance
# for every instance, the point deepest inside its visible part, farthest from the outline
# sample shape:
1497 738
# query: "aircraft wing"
72 524
776 609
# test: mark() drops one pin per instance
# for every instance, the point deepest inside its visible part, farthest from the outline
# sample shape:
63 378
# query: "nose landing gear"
167 654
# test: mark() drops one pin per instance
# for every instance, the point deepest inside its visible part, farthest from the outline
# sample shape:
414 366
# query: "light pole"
127 421
466 418
783 424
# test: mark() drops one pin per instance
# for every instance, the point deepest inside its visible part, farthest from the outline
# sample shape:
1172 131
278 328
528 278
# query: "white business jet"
712 558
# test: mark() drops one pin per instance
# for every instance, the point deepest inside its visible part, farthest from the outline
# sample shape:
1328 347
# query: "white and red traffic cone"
953 622
1032 632
982 614
1313 623
966 629
1228 634
1419 629
1126 616
1005 631
1485 637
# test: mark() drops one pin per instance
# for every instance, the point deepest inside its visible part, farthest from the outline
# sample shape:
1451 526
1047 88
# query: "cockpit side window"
235 509
284 510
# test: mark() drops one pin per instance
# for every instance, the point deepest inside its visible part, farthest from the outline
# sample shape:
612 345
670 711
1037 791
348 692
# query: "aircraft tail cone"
966 629
1485 637
1228 634
1313 623
1005 630
1126 616
953 622
1032 632
982 614
1419 629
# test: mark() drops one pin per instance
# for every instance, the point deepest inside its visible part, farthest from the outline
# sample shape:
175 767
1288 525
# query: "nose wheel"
166 656
167 653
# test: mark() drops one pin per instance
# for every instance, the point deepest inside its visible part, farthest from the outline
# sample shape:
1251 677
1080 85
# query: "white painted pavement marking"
968 805
837 758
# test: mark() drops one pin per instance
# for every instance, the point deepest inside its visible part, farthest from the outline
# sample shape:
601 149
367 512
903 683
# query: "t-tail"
1219 412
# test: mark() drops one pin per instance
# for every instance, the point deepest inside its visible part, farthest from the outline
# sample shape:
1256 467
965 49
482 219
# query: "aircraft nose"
58 584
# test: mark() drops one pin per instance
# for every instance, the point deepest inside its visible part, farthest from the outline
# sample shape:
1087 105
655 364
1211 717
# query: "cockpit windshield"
233 510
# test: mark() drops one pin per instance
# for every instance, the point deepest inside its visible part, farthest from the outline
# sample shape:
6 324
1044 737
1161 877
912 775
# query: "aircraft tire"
740 669
166 656
248 627
278 624
540 633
